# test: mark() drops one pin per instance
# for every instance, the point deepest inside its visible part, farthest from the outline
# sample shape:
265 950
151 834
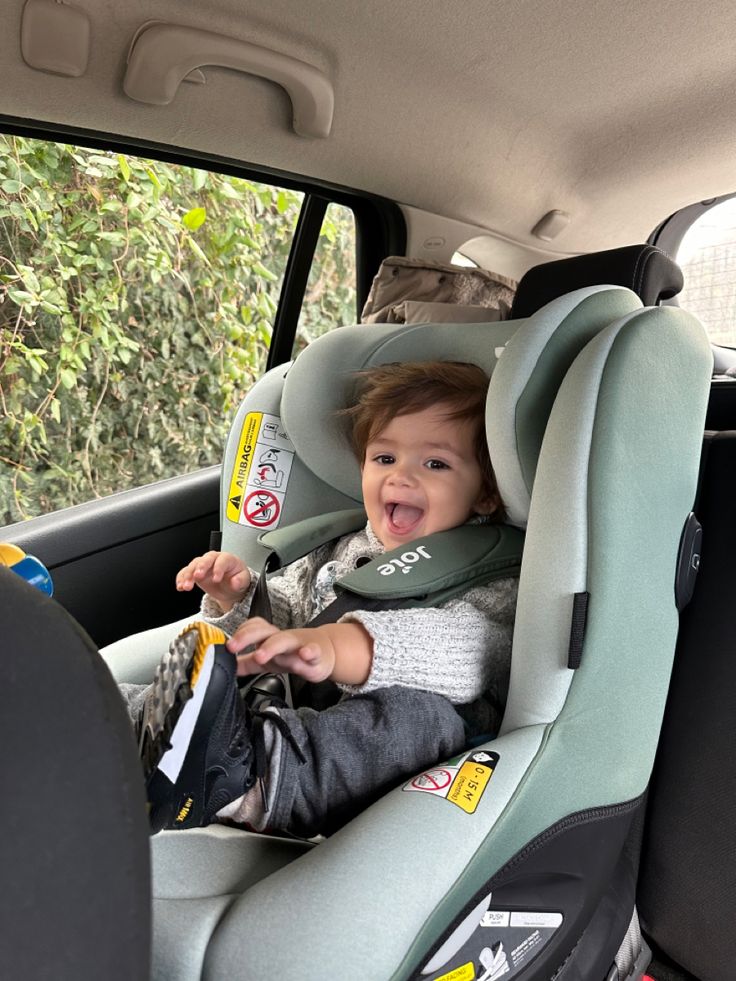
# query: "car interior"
523 188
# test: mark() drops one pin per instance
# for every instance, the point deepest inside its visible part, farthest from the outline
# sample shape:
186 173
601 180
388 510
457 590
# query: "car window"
460 259
707 255
137 299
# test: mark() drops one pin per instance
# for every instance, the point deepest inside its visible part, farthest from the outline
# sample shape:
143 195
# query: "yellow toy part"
10 554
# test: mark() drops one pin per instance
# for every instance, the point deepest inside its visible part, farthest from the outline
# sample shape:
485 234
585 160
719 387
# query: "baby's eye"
383 458
436 465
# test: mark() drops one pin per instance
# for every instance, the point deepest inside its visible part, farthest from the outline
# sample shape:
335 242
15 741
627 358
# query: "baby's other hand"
221 575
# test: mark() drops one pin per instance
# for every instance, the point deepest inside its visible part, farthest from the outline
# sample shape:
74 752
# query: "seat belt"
292 542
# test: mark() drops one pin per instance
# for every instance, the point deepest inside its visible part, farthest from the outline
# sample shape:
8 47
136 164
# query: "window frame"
668 236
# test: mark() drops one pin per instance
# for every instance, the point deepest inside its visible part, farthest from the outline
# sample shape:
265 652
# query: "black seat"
644 269
688 868
75 899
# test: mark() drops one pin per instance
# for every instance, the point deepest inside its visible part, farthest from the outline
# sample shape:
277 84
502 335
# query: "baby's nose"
402 475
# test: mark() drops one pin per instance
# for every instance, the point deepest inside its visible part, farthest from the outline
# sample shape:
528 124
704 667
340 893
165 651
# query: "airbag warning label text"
260 473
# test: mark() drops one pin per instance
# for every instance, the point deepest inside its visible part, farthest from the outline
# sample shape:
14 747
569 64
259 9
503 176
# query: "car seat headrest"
321 382
526 361
646 270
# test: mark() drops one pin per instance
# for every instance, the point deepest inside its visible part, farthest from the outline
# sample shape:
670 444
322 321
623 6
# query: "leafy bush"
136 303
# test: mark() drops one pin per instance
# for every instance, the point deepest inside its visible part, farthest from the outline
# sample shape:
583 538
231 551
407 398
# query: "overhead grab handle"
162 55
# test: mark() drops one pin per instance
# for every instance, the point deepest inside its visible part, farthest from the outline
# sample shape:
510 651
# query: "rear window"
707 256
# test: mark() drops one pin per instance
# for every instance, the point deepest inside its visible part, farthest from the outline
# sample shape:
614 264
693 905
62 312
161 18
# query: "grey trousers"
355 751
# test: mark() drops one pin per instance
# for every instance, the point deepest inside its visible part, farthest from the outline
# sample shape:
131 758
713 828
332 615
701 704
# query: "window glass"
331 296
458 259
136 306
707 256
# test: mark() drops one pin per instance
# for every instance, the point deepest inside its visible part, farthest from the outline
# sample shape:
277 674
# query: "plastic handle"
28 567
162 55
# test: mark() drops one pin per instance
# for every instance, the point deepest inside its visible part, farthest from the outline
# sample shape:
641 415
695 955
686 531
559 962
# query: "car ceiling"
491 113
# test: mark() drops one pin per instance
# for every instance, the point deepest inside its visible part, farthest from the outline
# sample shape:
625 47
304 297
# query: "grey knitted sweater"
460 649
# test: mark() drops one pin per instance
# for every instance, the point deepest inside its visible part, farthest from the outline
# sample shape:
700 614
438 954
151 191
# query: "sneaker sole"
175 687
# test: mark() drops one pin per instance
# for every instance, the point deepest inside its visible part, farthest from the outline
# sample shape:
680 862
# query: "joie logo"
407 560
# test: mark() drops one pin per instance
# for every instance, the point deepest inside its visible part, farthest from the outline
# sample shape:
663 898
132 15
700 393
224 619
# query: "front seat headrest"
644 269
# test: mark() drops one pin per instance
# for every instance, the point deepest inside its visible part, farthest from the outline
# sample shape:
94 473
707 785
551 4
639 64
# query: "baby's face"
421 475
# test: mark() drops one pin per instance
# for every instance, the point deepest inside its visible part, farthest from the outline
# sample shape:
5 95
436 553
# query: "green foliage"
136 307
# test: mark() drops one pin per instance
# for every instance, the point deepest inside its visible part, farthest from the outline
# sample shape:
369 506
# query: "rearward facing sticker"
261 472
462 782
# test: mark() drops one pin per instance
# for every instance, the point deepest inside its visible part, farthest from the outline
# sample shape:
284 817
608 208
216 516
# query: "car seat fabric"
75 901
644 269
528 378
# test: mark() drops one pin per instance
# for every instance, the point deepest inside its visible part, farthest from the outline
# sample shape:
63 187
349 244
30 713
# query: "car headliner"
492 113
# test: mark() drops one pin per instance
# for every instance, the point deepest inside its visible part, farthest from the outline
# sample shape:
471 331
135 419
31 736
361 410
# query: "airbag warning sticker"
260 473
462 781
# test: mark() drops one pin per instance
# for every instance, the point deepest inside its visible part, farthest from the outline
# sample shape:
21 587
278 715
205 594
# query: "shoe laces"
253 721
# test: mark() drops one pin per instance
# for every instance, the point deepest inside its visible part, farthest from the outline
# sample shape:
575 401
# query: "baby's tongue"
405 515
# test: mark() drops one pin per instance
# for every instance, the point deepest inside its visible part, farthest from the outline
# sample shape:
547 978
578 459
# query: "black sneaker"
195 733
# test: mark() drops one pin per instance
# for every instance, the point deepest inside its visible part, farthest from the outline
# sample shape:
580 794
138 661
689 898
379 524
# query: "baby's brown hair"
401 388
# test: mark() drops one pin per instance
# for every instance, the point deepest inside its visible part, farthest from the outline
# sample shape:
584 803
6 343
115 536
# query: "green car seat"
523 858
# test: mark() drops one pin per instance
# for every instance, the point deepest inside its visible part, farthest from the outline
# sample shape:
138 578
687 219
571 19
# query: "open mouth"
403 518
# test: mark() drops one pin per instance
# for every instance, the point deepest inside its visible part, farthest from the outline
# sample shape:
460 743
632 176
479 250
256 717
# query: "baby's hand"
221 575
308 652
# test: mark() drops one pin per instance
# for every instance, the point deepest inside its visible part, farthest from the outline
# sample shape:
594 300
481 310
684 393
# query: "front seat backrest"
75 899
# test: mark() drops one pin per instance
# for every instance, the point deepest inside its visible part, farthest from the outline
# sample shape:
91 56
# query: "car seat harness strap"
427 572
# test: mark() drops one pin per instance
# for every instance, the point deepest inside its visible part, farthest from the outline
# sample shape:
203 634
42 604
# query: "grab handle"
162 55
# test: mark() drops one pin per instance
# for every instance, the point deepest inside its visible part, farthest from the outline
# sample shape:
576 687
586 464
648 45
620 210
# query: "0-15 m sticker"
462 781
260 474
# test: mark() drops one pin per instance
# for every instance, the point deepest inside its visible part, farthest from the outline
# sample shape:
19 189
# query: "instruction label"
502 945
260 473
462 783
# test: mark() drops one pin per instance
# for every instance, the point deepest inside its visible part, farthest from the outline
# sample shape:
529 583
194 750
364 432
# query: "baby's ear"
487 503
